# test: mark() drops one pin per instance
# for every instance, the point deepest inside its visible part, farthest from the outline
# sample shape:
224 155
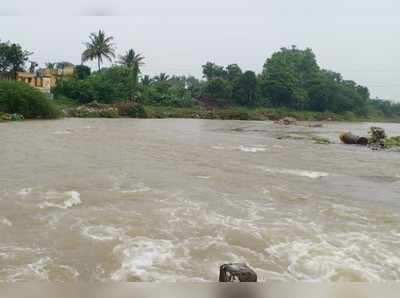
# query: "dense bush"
105 86
20 98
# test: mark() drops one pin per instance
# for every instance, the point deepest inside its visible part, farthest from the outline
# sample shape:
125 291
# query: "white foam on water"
63 132
141 258
345 257
35 270
137 190
25 191
6 221
39 267
103 233
219 147
293 172
203 177
251 149
74 199
72 272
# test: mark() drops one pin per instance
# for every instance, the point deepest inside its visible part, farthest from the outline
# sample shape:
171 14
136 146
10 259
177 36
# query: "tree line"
291 78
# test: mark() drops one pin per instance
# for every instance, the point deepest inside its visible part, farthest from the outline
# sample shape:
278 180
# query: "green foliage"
106 86
219 89
235 113
20 98
212 71
392 142
12 58
131 59
292 78
130 109
132 62
99 47
233 72
246 89
321 141
286 75
82 72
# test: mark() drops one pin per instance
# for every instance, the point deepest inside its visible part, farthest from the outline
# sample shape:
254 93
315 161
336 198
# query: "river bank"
200 111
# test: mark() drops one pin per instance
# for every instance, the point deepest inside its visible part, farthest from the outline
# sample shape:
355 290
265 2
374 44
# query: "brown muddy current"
170 200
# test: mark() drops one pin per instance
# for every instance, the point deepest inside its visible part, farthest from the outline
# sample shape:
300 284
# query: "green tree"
286 76
13 58
233 72
132 61
213 71
100 46
162 77
82 72
219 90
195 86
146 81
106 86
4 63
247 88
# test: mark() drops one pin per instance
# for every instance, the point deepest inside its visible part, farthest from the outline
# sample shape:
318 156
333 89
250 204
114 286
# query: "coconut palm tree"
131 59
100 46
50 65
146 81
132 62
162 77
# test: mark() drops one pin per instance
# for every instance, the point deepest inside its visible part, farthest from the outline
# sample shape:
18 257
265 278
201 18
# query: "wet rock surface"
237 272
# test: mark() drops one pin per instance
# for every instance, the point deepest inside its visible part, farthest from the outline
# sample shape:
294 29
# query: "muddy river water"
170 200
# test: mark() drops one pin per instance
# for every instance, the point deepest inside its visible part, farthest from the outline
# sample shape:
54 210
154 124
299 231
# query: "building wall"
46 78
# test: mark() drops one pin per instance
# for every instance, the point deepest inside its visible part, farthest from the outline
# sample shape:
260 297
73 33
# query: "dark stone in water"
349 138
236 272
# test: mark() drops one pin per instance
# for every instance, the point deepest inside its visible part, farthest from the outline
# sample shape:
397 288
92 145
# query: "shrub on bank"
130 109
234 113
85 112
20 98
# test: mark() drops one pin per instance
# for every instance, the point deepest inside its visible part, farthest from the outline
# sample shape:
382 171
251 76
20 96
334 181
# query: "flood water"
171 200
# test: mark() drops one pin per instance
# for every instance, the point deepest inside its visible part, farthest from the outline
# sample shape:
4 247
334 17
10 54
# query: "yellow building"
45 79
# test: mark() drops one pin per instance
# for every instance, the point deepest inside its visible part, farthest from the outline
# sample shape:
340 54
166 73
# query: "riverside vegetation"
291 84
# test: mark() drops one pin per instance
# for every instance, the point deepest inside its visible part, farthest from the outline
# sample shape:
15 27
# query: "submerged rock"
377 139
287 121
351 139
237 272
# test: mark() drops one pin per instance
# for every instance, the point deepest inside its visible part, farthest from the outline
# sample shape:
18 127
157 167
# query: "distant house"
45 79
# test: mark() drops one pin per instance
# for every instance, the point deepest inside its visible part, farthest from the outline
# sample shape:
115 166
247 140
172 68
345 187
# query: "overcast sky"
358 38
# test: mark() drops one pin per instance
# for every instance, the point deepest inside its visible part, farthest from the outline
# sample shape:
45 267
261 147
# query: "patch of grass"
392 142
64 103
321 140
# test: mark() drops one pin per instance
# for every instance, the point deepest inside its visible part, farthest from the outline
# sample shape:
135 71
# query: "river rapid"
171 200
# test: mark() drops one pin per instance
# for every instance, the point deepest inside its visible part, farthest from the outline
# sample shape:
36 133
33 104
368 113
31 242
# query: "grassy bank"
227 113
257 114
